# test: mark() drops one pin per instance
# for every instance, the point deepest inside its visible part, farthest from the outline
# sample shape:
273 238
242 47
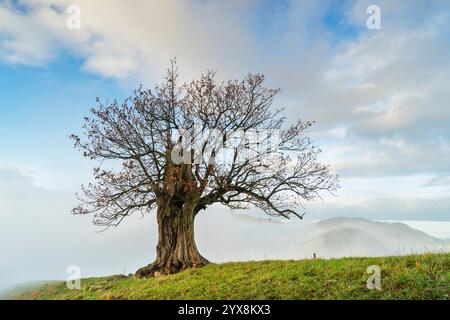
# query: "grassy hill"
407 277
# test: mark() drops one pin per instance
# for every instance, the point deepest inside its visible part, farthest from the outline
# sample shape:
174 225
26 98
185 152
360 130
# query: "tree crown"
199 143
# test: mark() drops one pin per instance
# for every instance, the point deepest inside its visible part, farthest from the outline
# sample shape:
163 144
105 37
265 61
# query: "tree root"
157 269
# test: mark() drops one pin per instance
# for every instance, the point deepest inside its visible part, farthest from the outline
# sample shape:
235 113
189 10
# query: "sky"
380 98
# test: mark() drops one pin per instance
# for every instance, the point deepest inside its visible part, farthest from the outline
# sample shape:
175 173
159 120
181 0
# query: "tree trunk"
176 249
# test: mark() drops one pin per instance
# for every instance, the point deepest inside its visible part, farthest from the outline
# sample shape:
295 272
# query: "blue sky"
379 96
42 105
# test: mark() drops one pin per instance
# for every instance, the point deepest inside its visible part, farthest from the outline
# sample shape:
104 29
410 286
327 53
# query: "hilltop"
402 277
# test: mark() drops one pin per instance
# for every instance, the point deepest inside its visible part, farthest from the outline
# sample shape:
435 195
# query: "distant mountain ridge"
340 237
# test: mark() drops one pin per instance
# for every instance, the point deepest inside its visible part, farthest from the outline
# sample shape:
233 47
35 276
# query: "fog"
228 237
43 249
39 238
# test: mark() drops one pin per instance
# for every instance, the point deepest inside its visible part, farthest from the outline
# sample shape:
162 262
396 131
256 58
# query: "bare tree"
181 148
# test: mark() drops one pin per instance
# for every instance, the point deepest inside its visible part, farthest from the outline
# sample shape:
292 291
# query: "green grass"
408 277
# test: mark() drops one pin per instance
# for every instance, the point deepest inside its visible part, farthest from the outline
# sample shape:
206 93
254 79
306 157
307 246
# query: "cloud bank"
43 240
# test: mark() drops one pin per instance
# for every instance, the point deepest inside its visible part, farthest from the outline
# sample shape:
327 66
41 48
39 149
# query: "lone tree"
181 148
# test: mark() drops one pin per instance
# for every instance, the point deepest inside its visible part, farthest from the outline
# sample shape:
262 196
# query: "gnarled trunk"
176 249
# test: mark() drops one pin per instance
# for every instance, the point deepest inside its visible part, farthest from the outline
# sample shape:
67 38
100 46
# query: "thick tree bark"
176 249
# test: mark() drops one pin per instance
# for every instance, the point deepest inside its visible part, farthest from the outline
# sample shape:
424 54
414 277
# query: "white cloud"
380 99
120 40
